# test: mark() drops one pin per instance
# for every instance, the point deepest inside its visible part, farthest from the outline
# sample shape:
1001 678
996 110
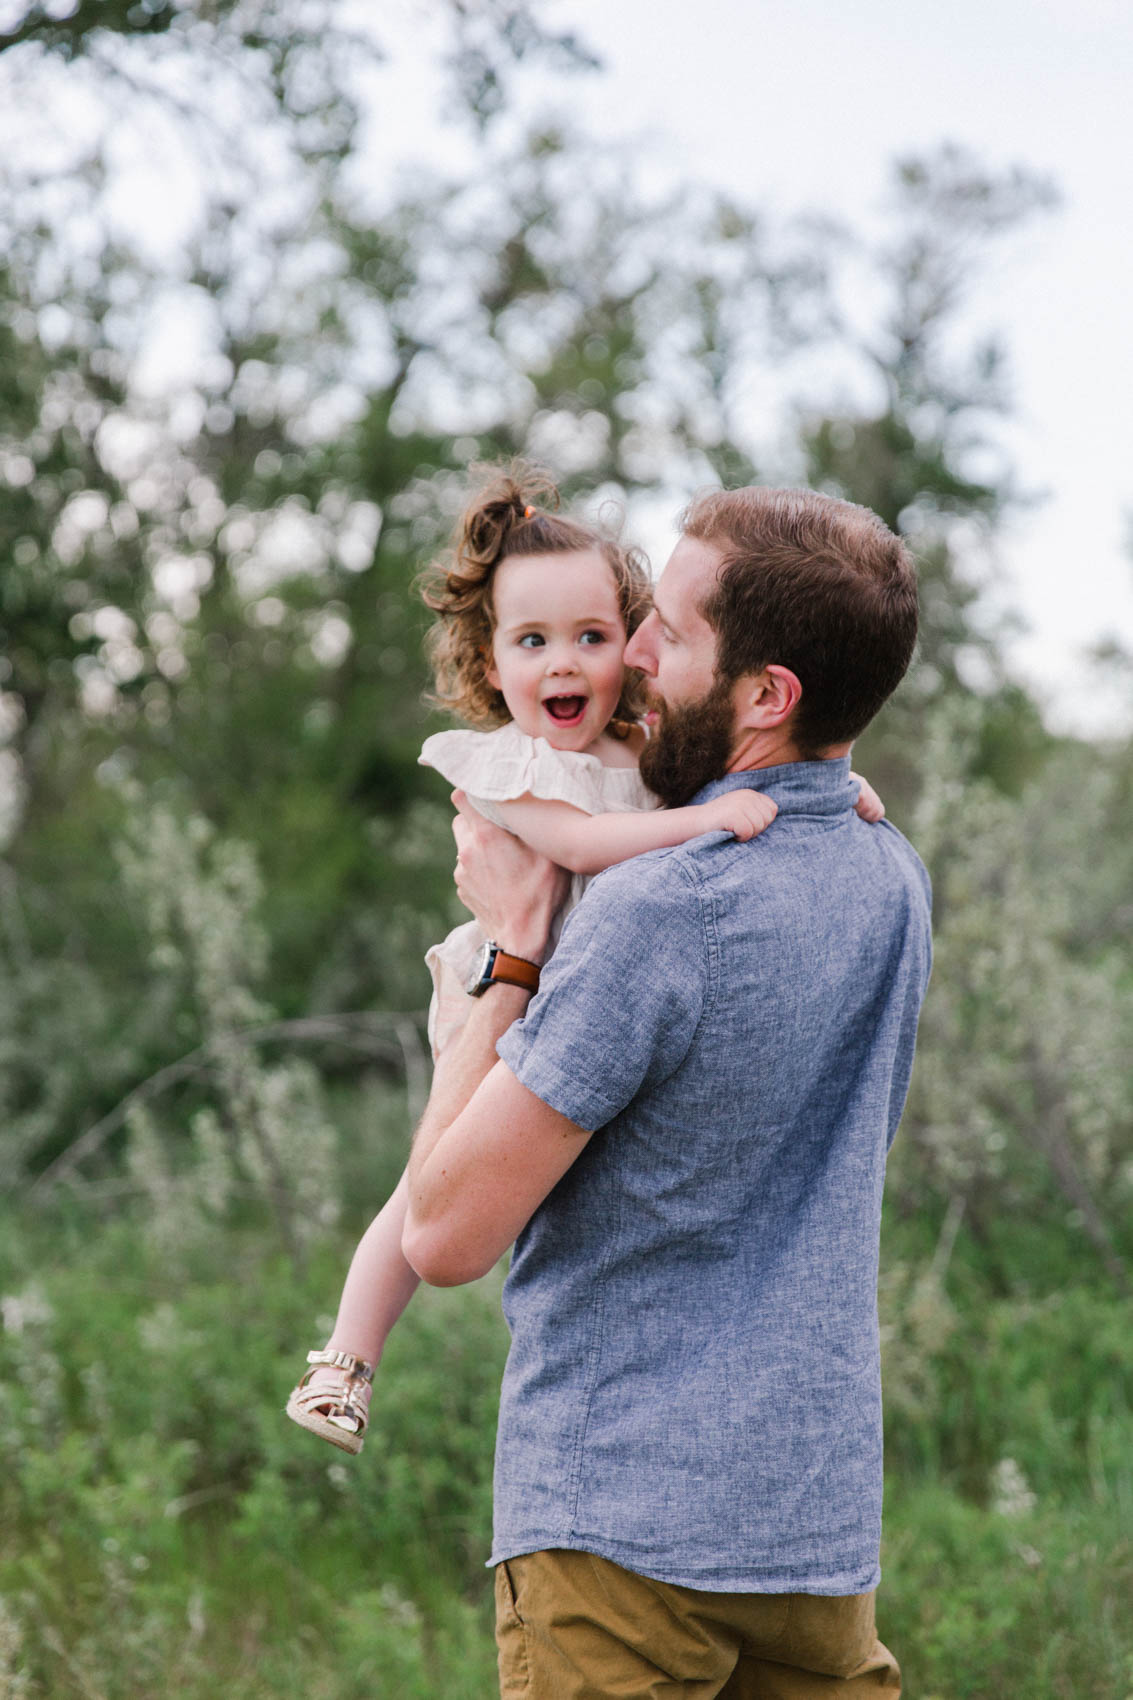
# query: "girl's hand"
869 805
743 813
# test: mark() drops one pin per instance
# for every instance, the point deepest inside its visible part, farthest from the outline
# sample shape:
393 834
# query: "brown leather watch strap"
515 970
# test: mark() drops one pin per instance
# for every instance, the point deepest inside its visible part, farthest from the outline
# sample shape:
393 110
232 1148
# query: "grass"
166 1533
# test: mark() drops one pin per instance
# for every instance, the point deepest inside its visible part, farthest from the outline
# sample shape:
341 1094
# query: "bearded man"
684 1132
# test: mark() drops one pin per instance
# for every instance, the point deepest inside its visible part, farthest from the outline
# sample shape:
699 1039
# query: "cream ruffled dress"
497 767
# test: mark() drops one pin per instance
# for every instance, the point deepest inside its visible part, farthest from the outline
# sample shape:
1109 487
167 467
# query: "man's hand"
512 891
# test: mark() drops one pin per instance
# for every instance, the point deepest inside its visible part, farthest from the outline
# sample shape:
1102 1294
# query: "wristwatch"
494 964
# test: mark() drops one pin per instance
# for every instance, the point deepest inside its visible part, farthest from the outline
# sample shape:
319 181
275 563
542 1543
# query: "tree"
218 574
1020 1107
209 581
925 457
208 598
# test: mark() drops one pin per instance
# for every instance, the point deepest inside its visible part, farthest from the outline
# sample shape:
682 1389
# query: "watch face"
480 977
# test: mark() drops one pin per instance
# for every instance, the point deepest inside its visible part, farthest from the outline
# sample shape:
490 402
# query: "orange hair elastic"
528 512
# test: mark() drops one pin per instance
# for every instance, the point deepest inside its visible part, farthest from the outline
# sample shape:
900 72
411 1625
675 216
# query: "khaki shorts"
572 1626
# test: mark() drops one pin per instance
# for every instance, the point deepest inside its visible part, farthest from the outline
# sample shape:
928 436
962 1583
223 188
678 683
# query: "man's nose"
639 650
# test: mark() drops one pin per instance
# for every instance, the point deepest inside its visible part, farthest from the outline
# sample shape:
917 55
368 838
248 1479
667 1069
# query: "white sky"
795 103
803 104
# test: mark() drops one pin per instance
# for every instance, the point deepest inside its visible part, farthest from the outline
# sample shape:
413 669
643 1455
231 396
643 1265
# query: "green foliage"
1021 1094
1009 1440
980 1603
68 31
208 587
207 583
926 457
157 1506
972 1380
222 863
165 1529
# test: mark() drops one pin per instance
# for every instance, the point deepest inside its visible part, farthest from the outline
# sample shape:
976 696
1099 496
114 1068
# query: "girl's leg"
333 1400
378 1287
380 1283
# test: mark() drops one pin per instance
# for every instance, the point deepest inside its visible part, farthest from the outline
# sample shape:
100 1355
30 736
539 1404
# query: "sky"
798 103
798 106
804 104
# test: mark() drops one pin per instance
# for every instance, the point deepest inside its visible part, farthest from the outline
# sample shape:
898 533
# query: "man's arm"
483 1177
487 1151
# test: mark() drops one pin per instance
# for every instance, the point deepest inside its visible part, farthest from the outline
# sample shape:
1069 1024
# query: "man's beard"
690 745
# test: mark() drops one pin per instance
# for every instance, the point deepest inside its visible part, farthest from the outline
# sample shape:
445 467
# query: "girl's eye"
530 640
592 637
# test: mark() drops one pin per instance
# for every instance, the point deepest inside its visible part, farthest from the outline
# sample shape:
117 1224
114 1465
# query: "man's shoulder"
636 903
905 859
645 891
654 879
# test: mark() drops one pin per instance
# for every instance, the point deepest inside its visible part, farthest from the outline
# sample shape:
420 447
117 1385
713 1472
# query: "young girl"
533 616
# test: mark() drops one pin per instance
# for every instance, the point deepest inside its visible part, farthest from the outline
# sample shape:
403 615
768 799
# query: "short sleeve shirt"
693 1385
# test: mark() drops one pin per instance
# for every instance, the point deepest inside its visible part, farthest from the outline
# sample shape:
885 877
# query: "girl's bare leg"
334 1400
378 1287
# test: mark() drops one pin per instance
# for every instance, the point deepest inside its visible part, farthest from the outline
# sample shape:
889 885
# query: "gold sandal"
337 1411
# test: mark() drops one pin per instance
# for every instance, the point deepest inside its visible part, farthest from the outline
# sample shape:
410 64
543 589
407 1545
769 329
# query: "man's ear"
766 700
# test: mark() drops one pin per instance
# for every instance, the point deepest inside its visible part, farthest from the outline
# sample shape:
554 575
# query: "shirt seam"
707 908
711 970
594 1359
555 1087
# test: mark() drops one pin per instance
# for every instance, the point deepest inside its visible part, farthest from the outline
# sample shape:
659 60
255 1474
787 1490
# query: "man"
685 1134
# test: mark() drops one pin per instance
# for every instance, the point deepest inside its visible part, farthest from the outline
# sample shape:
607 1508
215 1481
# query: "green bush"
167 1532
161 1515
1008 1599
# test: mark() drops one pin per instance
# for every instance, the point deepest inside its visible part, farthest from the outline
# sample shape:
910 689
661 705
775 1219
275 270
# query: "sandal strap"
339 1398
355 1366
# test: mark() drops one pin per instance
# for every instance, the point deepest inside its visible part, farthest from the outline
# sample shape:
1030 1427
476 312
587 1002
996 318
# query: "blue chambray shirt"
693 1386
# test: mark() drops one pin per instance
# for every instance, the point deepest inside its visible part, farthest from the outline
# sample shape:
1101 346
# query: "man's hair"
815 584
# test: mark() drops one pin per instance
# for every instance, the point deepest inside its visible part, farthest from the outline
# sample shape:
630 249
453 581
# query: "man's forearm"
513 893
487 1154
464 1064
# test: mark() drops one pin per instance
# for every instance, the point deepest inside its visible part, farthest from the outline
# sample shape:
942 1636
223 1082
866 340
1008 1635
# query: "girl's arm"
588 843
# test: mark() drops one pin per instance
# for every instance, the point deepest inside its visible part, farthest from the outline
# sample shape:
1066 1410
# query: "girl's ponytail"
488 521
508 501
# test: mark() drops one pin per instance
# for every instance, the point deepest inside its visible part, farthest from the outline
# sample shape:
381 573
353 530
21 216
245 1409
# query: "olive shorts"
573 1626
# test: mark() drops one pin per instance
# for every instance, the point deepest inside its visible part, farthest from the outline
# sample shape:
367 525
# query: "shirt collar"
799 787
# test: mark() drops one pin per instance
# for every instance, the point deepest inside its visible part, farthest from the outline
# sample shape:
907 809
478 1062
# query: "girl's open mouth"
565 711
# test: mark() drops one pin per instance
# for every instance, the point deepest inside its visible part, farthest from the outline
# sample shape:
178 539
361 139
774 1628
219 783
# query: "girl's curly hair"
512 514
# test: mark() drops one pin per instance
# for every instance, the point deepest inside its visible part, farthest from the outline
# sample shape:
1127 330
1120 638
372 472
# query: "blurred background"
272 274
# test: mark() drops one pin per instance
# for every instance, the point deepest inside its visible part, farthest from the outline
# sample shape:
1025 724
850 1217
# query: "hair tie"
528 513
